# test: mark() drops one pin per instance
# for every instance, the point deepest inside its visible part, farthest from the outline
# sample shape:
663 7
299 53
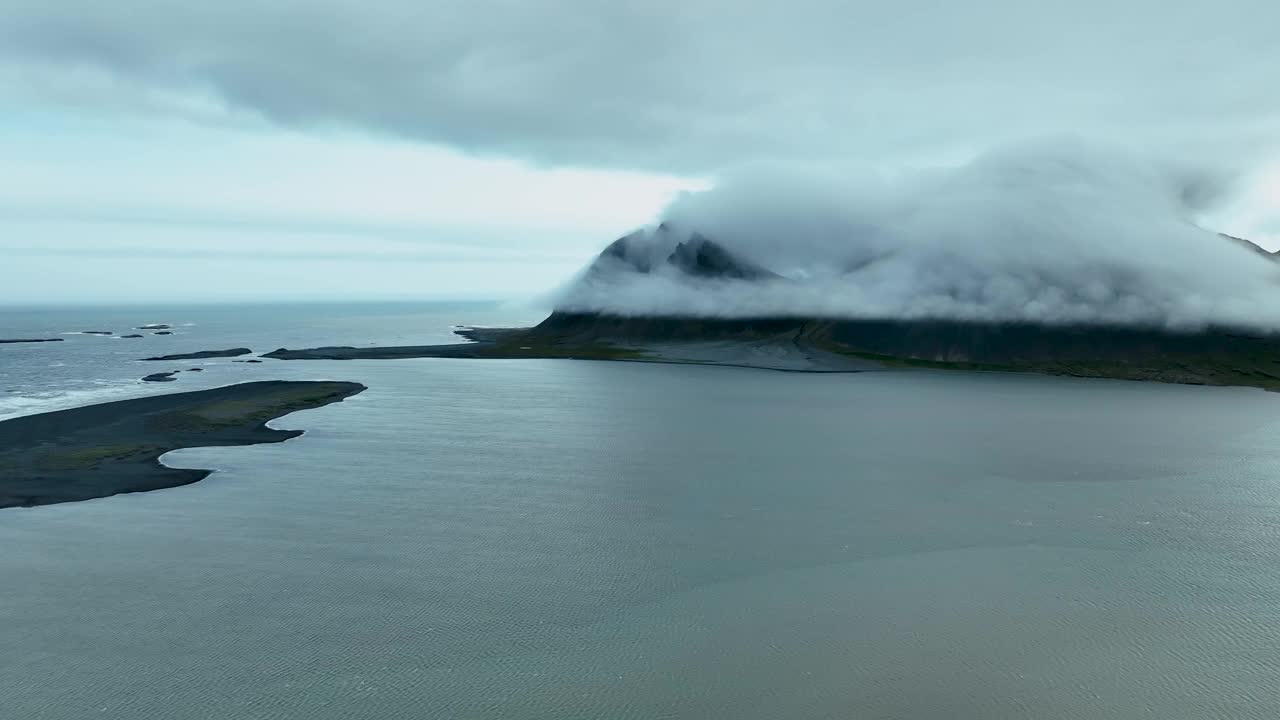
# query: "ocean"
86 368
512 539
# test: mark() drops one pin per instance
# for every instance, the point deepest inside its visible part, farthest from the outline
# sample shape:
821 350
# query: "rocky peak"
1249 244
700 257
696 255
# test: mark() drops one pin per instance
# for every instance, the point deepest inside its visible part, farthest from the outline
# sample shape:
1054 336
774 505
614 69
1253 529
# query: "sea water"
562 539
84 368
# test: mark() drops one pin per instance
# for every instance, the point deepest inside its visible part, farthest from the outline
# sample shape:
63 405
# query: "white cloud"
1057 233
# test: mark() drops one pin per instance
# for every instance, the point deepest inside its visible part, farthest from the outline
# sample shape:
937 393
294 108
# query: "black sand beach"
110 448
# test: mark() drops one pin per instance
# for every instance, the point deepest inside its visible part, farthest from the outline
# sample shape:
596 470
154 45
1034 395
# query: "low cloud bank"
1051 232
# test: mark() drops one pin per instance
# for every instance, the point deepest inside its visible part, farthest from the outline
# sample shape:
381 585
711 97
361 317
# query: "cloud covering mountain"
1049 232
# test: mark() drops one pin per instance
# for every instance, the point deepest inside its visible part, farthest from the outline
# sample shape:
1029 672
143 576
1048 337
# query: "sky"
163 150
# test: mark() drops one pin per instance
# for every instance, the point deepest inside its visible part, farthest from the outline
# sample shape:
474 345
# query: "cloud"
857 97
1061 232
690 86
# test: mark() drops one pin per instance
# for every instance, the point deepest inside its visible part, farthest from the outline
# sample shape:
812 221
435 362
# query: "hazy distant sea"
87 368
560 539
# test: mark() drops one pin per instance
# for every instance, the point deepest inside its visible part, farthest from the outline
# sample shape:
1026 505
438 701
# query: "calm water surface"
558 539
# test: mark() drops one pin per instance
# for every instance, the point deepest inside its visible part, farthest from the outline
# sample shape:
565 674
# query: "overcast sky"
344 149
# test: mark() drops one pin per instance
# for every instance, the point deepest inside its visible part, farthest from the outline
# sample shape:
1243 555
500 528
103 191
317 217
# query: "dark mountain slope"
1212 356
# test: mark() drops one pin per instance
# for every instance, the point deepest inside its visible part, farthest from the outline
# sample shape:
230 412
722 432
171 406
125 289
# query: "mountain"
1207 356
1249 244
703 258
691 255
1215 356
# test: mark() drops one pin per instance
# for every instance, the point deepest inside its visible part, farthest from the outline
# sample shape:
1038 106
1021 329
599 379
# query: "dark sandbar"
110 448
772 352
461 350
233 352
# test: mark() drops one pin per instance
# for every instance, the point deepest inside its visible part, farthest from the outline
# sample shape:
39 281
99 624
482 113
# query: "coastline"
110 448
114 447
1240 361
781 353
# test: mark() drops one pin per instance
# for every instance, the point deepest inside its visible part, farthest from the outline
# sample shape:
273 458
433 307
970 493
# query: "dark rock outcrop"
233 352
161 377
628 252
694 255
28 340
154 327
130 337
702 258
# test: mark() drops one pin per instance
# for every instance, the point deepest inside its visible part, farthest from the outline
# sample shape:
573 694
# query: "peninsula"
1207 355
111 448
